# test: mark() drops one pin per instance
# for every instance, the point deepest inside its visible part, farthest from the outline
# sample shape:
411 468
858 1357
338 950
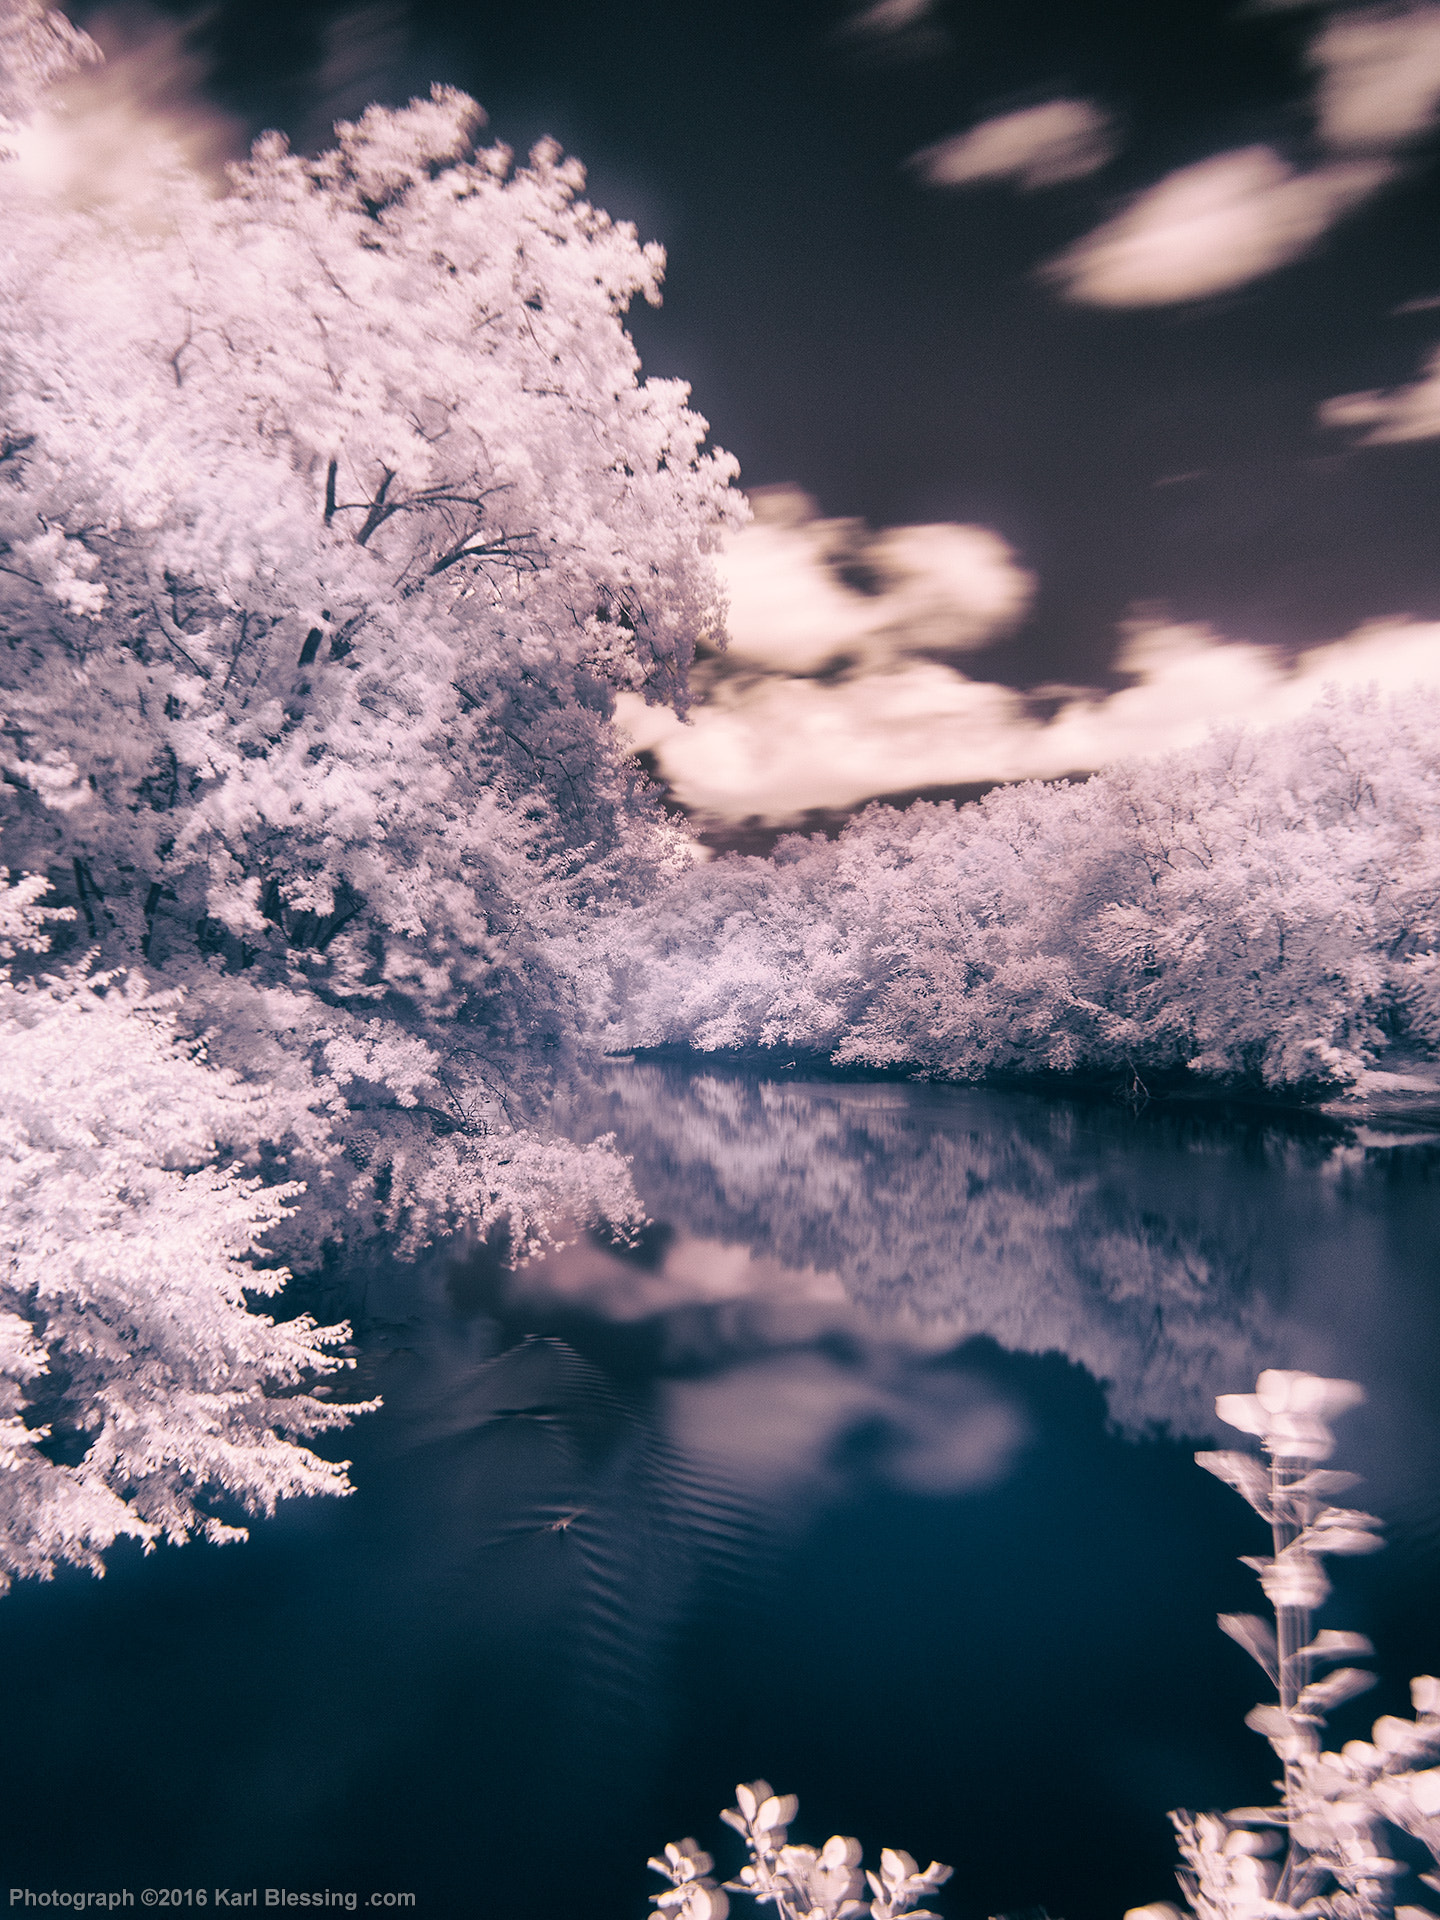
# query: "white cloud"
1404 413
889 16
1037 147
771 745
1210 227
1380 77
793 605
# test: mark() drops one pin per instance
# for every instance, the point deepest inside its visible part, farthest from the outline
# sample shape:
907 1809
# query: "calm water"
869 1471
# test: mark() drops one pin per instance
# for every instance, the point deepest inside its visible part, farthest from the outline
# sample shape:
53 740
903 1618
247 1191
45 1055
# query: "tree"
139 1390
333 512
1263 909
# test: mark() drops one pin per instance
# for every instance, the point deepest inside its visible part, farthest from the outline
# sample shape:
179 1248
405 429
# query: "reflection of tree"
972 1216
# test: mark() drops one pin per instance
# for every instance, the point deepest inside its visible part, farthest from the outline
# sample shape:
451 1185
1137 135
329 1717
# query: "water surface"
868 1470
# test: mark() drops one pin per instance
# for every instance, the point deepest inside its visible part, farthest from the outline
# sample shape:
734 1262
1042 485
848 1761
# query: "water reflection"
819 1480
1169 1253
922 1218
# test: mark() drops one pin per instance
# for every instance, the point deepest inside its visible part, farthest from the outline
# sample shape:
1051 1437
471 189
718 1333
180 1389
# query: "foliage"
333 512
1262 909
801 1883
1334 1806
137 1384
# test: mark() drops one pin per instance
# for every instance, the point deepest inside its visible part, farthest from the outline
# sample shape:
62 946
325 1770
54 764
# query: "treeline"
1260 910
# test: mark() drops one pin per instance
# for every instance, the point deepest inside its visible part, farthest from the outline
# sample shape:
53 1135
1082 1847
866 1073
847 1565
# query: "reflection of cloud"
778 1421
1037 147
694 1273
773 746
1380 77
1404 413
112 132
1210 227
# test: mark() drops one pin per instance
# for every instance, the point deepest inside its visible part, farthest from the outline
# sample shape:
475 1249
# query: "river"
868 1470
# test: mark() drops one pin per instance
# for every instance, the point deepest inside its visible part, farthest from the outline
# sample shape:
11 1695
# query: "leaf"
1392 1734
776 1812
748 1798
1333 1644
1244 1473
1343 1540
896 1865
1324 1481
1241 1410
1274 1722
1257 1637
840 1850
1345 1683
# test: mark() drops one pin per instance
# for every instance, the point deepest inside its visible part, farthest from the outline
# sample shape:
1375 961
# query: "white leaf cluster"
1264 909
141 1394
333 513
800 1882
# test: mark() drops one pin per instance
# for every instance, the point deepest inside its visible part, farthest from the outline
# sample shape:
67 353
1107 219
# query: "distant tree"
1263 910
333 512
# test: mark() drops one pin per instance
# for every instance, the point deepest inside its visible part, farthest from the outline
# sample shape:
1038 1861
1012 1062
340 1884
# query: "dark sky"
888 346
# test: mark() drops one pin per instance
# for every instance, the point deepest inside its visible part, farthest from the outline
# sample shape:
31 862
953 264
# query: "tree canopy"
333 513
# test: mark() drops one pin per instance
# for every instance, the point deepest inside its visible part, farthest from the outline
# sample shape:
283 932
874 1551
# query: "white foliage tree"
1264 909
333 512
141 1393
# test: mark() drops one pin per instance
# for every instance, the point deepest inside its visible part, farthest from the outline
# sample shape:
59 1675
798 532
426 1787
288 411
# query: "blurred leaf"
1325 1481
1345 1683
1270 1720
1332 1644
1392 1734
1242 1410
1257 1637
1244 1473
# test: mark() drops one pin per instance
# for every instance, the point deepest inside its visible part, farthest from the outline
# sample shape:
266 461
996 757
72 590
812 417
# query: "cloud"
1379 77
1210 227
114 131
895 30
777 738
1037 147
889 16
1404 413
795 604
